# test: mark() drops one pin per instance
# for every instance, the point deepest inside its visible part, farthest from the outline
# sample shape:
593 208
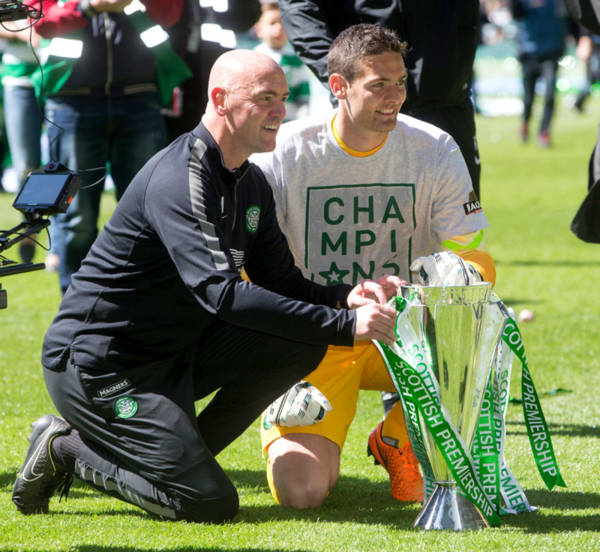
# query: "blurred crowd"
48 92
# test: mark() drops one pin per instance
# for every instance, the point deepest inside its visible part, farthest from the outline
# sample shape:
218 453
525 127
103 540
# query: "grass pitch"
530 196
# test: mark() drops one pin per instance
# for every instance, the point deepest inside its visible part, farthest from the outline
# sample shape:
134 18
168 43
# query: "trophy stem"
447 508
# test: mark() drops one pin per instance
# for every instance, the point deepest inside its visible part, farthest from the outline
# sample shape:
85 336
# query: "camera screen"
41 190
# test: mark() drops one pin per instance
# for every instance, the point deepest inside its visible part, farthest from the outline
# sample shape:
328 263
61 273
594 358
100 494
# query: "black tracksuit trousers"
157 453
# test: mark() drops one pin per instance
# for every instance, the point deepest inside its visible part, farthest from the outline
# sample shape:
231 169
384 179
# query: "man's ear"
338 86
218 97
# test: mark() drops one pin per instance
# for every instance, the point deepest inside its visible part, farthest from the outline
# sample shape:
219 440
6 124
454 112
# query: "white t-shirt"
350 218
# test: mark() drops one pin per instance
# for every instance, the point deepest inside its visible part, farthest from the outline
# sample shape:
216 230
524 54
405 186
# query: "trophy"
456 332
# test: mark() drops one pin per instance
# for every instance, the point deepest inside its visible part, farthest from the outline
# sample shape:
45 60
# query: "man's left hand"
371 291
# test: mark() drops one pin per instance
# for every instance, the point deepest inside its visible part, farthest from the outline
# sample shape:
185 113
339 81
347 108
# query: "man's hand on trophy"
376 321
391 285
378 291
443 269
302 404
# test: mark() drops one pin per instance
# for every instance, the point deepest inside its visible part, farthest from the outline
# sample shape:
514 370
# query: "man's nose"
279 109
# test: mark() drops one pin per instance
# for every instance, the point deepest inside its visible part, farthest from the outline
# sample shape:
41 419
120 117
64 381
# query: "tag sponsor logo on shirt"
473 205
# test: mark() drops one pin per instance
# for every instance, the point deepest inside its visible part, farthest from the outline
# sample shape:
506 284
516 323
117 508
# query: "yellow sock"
270 481
394 426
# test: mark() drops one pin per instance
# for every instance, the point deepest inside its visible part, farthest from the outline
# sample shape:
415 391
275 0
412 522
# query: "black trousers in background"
459 122
162 458
533 69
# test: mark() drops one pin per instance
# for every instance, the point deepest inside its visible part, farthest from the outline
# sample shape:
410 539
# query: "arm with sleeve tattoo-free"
306 27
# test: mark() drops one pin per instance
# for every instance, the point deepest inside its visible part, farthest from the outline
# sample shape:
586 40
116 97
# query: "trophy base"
447 509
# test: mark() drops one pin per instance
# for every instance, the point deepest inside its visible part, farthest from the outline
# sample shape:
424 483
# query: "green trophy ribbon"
512 493
412 384
485 450
484 476
537 429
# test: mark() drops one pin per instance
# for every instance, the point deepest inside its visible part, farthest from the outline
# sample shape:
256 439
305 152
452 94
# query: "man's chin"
264 149
268 145
387 125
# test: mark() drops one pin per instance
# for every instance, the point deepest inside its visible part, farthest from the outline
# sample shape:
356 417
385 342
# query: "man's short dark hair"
357 42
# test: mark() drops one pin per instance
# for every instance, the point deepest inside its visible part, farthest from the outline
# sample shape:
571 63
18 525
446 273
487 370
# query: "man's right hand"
375 321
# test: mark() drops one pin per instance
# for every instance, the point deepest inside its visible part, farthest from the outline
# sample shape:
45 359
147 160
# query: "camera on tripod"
47 193
42 195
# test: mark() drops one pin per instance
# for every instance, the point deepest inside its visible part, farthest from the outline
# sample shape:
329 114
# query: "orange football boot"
402 466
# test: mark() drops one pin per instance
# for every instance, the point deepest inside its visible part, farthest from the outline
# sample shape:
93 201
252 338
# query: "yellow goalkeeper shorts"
340 375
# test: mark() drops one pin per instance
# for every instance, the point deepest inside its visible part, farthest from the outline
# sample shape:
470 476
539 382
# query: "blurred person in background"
204 31
588 50
586 223
543 30
108 67
23 114
274 43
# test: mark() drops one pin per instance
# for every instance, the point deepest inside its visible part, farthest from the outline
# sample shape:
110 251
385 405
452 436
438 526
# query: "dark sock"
65 449
27 251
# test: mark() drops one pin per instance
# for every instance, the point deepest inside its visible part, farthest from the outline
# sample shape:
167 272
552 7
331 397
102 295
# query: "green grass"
530 196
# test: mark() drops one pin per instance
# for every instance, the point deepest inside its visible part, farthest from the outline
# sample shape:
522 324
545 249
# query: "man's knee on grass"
213 510
302 470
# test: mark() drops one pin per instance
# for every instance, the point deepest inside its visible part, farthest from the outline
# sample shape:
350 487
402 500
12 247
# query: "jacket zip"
235 202
109 54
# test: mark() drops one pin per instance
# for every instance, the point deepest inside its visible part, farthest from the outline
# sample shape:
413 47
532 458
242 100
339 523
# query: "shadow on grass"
7 479
565 500
354 499
515 302
542 521
360 500
557 262
567 430
371 502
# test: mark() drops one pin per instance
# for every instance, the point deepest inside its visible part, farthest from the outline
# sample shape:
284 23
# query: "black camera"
14 10
47 193
43 194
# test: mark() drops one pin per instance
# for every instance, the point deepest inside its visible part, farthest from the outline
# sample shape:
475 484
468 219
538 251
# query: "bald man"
158 317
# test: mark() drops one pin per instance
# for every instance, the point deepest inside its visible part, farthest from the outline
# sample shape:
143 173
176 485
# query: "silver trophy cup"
459 331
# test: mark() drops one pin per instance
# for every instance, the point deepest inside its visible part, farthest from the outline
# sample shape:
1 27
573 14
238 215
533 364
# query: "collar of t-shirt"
348 150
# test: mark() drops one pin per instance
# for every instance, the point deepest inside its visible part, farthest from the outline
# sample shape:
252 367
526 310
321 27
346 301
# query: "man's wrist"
86 8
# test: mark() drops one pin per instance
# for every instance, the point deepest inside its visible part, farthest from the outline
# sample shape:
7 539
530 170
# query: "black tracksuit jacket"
168 262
